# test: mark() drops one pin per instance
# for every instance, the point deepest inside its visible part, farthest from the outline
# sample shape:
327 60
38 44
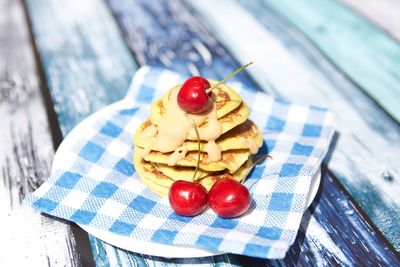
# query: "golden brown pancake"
231 159
182 173
225 97
239 175
233 139
160 183
228 122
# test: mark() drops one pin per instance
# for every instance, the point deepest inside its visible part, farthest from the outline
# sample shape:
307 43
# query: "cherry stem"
198 146
262 157
228 77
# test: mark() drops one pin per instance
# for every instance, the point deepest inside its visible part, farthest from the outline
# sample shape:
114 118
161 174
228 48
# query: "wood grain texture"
365 156
82 52
85 61
27 237
159 34
372 61
111 256
341 236
384 13
144 21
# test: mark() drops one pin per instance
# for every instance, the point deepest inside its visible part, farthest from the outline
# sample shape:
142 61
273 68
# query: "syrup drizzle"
175 127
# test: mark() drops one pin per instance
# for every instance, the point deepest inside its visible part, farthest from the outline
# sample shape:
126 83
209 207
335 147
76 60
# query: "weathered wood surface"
364 52
86 64
81 49
166 33
384 13
26 150
365 156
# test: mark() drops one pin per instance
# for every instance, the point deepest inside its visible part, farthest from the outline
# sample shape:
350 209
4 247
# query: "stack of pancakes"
239 140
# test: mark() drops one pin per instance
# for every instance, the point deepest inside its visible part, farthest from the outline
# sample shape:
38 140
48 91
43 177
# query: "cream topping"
213 150
179 153
149 132
251 145
175 126
211 130
149 146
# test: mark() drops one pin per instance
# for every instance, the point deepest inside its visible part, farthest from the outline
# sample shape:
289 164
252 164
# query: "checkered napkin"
93 181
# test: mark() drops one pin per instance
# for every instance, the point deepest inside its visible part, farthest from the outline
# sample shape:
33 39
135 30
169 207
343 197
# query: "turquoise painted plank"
87 65
365 155
364 52
174 33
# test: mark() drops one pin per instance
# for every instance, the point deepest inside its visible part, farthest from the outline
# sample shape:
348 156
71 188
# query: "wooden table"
61 60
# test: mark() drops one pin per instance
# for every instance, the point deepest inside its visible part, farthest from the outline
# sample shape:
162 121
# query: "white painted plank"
26 151
384 13
86 63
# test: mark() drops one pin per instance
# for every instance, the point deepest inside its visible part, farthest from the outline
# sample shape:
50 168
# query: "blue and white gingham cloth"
93 181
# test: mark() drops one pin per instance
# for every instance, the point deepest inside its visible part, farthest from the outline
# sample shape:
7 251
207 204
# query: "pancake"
182 173
148 172
162 191
228 122
160 183
225 97
231 159
237 138
239 175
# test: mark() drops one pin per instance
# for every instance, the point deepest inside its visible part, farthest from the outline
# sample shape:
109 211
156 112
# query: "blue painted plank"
365 156
177 40
87 65
144 22
355 239
356 236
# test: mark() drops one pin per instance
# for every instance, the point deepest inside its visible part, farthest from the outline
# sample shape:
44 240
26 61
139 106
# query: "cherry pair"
227 198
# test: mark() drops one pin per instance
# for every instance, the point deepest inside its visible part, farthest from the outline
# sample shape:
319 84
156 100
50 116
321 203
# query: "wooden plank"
82 52
384 13
144 21
372 62
365 154
340 235
27 237
86 63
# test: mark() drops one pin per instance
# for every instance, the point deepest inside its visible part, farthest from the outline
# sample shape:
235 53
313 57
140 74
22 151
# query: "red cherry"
229 198
187 198
192 97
